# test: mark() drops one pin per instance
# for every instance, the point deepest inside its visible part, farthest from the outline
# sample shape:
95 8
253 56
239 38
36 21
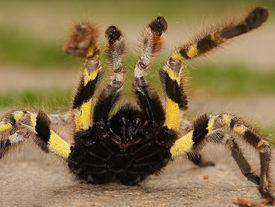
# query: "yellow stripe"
213 38
227 119
210 125
193 51
77 115
90 77
5 126
240 129
17 115
58 145
172 115
91 52
182 145
33 120
177 57
173 75
83 116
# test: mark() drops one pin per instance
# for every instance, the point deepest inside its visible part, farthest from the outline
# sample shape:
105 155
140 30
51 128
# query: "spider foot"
197 160
268 199
206 164
244 203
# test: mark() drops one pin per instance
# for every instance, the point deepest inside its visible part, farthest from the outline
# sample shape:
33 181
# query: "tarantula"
138 141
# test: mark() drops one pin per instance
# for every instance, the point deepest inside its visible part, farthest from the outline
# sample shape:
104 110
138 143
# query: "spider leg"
172 79
113 90
256 141
148 99
214 37
13 130
171 75
176 99
83 42
209 128
196 158
20 125
220 136
47 139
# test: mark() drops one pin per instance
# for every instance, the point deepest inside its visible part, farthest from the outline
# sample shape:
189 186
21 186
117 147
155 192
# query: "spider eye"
112 34
159 25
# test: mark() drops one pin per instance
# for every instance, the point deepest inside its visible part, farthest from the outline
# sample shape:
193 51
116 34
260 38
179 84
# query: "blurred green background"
34 72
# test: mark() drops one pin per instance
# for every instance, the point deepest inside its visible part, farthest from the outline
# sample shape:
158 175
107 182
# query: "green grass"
127 10
51 100
270 133
19 48
232 80
212 79
21 45
24 42
29 44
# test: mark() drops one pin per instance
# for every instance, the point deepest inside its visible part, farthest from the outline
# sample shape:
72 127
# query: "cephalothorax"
139 140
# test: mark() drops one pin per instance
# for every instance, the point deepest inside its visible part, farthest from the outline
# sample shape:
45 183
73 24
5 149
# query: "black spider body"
126 150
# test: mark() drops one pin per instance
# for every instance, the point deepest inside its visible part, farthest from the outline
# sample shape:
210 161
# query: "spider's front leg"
148 99
83 42
201 45
204 127
113 90
18 125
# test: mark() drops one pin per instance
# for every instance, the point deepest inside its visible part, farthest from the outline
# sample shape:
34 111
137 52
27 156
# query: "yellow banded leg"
83 42
17 118
182 145
255 140
192 141
47 139
15 127
86 88
215 36
58 145
4 126
172 115
176 99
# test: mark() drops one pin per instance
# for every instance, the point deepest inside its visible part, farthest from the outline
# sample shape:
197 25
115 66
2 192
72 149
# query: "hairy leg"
148 99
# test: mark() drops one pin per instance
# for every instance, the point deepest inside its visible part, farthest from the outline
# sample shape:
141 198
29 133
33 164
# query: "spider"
139 140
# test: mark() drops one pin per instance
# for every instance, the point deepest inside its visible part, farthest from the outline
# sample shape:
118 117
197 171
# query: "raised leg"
148 99
84 43
201 45
172 74
113 90
217 35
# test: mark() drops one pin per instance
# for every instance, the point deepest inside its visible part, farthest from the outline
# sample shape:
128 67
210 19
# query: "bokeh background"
35 73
